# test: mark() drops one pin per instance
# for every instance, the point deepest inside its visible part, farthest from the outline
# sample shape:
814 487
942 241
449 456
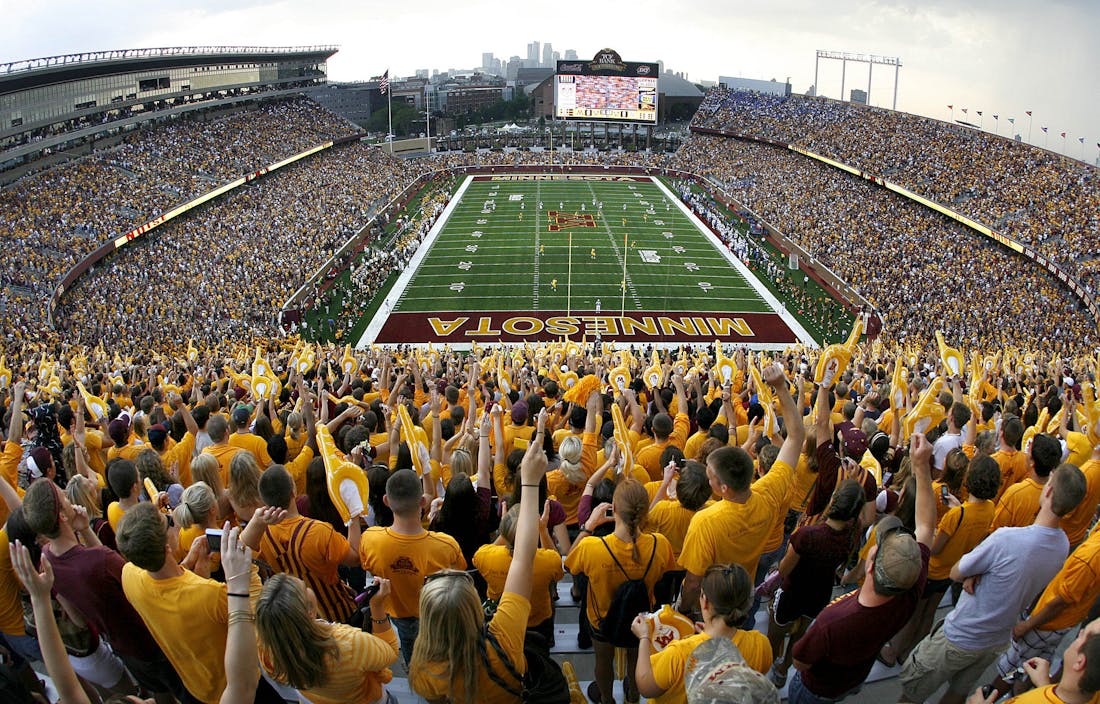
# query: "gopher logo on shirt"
403 565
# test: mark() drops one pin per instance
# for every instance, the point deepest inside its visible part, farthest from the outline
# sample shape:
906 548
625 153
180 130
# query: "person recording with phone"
326 662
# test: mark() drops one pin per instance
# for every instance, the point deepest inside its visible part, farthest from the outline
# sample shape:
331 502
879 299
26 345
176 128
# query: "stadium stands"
1031 195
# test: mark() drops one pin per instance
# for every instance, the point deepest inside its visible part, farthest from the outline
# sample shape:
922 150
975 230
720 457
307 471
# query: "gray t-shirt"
1015 564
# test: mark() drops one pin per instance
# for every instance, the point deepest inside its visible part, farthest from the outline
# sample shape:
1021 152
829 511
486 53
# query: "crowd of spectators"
224 272
261 243
1032 195
988 490
50 221
922 270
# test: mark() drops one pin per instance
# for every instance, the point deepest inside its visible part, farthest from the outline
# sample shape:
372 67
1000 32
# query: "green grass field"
497 252
520 257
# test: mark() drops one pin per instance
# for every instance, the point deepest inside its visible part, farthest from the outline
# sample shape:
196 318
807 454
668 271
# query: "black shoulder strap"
497 679
618 564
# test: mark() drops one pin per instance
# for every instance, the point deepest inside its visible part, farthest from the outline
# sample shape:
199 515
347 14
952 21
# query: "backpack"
630 599
543 683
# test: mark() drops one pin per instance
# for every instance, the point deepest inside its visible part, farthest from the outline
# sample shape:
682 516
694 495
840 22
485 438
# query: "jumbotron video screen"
606 89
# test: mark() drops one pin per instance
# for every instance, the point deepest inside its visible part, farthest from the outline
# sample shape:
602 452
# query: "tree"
403 118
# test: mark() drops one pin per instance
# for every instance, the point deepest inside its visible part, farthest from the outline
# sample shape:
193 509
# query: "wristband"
533 486
380 621
240 596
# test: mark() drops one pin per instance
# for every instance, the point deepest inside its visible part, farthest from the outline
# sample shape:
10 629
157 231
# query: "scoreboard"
606 89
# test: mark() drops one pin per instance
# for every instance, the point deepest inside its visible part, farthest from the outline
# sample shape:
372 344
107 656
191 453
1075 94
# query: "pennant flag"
996 117
1012 120
1044 129
1081 140
950 107
384 84
978 111
1063 135
964 109
1029 113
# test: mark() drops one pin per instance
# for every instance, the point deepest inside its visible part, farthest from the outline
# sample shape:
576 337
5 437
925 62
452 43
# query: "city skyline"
1003 58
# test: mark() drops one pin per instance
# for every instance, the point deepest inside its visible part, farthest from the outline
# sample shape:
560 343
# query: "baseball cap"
716 673
519 413
241 416
898 561
157 433
855 442
119 429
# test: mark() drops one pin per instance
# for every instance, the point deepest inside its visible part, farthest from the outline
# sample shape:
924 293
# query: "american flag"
384 85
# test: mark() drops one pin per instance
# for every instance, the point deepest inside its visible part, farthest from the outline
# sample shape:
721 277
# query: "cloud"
1003 56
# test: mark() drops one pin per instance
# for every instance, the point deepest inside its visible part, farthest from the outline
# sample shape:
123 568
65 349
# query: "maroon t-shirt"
806 590
828 472
841 645
91 579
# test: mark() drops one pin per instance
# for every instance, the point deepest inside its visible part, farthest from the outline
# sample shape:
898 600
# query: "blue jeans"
407 630
798 694
24 649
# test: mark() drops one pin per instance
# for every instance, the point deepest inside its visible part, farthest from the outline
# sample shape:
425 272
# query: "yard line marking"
626 279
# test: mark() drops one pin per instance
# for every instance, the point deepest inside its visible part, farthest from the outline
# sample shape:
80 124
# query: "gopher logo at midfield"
567 221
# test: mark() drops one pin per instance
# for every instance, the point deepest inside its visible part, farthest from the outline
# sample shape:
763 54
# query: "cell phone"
609 513
943 493
368 593
987 689
214 539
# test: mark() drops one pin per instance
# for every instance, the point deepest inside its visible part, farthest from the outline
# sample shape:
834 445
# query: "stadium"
205 227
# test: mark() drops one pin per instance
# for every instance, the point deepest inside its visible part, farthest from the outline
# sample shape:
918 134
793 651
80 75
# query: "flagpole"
1029 121
389 116
569 280
622 284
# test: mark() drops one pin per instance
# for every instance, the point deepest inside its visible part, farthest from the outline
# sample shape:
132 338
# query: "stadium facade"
58 102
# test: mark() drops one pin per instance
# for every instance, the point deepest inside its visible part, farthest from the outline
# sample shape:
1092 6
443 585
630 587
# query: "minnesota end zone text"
549 325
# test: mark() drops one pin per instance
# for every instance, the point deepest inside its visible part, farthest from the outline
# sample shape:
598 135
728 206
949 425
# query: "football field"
527 257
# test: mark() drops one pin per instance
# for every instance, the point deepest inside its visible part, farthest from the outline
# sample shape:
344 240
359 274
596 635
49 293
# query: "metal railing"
154 52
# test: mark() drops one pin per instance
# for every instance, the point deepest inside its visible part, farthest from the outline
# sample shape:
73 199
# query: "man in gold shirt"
185 611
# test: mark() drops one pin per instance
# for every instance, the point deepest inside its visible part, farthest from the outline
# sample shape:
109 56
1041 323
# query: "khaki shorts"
936 660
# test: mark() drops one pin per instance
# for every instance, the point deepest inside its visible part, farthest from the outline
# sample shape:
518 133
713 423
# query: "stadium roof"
19 75
673 86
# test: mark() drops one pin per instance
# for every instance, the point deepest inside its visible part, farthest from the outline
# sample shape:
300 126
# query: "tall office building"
487 62
547 55
533 55
570 54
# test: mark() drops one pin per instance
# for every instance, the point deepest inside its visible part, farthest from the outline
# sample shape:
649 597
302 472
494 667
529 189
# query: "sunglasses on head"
449 573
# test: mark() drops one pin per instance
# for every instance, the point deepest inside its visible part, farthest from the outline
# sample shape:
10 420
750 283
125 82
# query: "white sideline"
383 312
800 332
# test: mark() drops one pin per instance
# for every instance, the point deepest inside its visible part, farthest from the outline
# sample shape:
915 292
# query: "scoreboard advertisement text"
606 89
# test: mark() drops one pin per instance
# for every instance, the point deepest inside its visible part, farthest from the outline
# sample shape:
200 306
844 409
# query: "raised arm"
15 425
242 675
437 433
532 469
792 420
920 454
484 466
49 638
823 415
181 408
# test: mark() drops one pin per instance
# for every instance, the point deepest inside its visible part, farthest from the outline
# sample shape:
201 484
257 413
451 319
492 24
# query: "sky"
1003 57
